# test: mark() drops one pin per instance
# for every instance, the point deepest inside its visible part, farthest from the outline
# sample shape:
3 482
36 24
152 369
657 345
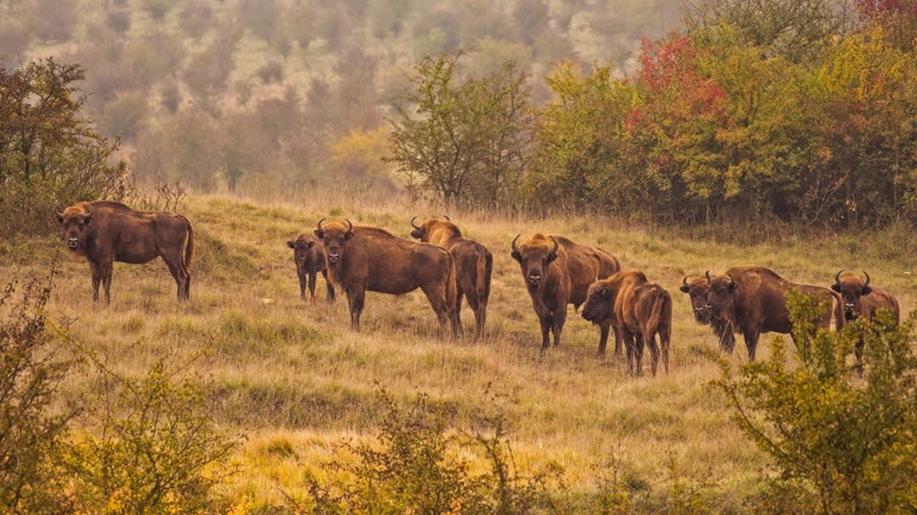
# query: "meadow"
294 380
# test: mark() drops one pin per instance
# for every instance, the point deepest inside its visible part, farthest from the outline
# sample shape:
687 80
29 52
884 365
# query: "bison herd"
447 268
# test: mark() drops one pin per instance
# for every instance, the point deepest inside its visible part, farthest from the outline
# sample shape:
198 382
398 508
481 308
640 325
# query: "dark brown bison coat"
473 266
752 300
638 309
698 289
368 258
558 272
310 261
104 232
862 301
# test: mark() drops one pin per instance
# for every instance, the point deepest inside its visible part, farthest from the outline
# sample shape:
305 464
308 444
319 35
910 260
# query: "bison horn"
684 281
867 278
731 280
837 277
349 226
414 225
516 249
446 217
554 250
319 225
707 274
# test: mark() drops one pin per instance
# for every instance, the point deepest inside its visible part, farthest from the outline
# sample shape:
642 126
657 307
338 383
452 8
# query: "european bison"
863 301
105 232
752 300
638 309
310 260
473 266
369 258
698 289
558 272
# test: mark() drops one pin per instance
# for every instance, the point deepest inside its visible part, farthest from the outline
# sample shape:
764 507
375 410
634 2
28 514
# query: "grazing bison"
698 289
638 309
473 266
310 260
368 258
863 301
104 232
752 300
558 272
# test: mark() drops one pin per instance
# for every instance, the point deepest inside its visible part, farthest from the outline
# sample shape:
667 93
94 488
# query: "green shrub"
838 444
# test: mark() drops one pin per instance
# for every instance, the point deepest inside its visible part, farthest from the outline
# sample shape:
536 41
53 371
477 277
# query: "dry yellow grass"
294 379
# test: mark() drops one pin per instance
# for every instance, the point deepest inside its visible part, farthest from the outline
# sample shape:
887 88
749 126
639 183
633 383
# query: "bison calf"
698 289
862 301
104 232
640 310
558 272
752 300
310 260
368 258
473 266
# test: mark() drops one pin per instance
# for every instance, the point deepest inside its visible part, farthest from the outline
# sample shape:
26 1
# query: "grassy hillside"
294 379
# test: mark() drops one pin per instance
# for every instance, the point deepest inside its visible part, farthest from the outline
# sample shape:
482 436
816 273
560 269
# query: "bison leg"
545 331
559 318
96 279
457 312
858 352
105 269
313 277
629 345
664 339
179 273
480 314
329 287
650 340
436 295
638 353
619 341
302 283
355 302
751 341
603 338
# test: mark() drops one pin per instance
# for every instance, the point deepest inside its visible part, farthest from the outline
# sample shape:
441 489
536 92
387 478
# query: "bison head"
430 230
698 290
535 257
74 222
301 247
598 305
851 289
721 297
334 237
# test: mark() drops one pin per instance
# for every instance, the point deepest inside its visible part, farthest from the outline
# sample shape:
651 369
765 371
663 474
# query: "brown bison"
558 272
638 309
863 301
698 289
105 232
473 266
310 260
365 258
752 300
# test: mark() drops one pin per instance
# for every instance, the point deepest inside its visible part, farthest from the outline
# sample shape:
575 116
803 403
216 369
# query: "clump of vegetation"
32 369
838 444
415 467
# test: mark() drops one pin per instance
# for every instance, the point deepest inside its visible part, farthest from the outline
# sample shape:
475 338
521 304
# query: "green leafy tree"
841 445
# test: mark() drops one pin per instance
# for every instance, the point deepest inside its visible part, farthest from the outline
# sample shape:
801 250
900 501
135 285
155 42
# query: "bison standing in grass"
104 232
863 301
558 272
368 258
640 310
310 260
698 289
473 266
752 300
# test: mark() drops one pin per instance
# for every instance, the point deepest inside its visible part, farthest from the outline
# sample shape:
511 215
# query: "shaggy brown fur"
310 261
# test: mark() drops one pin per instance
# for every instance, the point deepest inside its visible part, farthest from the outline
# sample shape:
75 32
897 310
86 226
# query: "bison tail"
189 246
661 315
837 311
484 271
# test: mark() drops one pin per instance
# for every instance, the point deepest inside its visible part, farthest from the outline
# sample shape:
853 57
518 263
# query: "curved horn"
556 246
837 277
867 278
684 281
707 275
349 225
515 248
447 218
731 279
414 225
319 225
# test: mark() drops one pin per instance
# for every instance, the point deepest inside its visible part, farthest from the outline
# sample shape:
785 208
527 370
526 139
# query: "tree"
464 141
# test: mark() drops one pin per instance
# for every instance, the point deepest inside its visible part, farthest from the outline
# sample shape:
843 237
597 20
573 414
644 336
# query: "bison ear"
733 285
836 287
550 257
606 292
348 235
865 290
517 256
60 218
684 288
291 244
310 244
87 219
319 233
